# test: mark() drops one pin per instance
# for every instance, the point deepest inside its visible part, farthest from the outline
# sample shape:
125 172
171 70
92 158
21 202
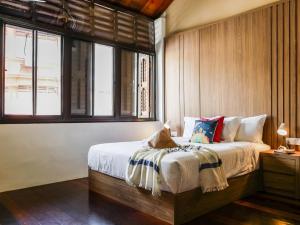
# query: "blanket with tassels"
143 169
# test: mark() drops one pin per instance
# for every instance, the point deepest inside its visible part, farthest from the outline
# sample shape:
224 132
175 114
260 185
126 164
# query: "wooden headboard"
245 65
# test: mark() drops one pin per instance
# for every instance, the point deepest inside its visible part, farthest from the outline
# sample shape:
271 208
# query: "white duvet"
179 170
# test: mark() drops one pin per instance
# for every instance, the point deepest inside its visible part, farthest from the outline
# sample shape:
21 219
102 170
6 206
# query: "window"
32 78
49 77
48 74
18 71
137 85
81 89
86 62
92 90
103 81
128 83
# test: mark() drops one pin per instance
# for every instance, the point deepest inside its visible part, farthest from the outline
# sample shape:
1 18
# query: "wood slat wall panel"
274 76
181 82
298 64
293 75
172 102
191 73
248 65
280 68
286 64
236 70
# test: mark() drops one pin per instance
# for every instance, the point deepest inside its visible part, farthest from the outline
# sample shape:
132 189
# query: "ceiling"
184 14
150 8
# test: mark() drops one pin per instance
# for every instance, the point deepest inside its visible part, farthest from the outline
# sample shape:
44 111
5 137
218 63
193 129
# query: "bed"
182 200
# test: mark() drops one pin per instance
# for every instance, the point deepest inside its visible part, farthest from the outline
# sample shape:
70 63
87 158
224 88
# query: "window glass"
103 81
48 74
18 71
81 78
128 83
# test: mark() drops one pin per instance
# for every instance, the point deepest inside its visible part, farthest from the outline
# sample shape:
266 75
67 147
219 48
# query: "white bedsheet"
179 170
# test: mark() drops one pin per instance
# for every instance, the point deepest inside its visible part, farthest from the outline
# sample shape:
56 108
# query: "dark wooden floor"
71 203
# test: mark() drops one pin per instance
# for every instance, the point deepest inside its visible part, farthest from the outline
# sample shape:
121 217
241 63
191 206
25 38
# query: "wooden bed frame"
173 208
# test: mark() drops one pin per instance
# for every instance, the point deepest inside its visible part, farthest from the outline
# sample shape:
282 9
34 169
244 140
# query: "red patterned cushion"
218 132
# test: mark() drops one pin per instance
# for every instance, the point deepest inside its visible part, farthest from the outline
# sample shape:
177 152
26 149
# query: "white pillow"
230 127
189 124
251 129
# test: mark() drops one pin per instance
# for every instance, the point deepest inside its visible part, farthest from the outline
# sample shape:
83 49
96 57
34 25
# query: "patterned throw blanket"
143 169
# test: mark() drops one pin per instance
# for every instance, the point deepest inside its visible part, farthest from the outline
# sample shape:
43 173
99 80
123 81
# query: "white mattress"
179 170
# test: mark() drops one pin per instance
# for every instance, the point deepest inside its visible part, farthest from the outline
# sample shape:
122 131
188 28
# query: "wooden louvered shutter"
88 18
16 8
125 28
50 13
144 33
81 20
103 22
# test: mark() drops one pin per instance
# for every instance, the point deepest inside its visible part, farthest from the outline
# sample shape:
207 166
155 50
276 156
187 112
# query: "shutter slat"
49 12
104 22
80 11
125 28
17 7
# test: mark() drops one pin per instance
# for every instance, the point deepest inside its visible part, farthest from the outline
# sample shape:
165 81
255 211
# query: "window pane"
81 89
128 83
103 81
18 71
48 74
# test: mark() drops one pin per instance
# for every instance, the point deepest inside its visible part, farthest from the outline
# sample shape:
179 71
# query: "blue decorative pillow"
204 131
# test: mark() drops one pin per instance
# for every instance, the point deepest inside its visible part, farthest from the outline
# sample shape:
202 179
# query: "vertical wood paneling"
191 73
280 69
298 64
286 64
274 76
172 78
207 48
234 55
181 84
248 65
293 75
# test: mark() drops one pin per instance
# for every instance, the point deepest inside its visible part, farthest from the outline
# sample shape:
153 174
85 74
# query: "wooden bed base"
173 208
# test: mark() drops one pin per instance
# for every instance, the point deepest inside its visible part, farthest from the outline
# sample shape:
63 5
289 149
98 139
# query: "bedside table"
281 173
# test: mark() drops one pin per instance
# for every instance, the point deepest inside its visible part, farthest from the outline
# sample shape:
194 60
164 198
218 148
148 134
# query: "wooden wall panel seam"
286 68
274 74
298 65
199 83
293 88
181 79
280 65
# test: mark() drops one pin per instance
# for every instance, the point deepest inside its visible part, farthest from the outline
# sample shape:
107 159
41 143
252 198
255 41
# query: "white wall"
184 14
36 154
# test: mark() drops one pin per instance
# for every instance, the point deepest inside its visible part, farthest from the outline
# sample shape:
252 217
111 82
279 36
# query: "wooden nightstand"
281 173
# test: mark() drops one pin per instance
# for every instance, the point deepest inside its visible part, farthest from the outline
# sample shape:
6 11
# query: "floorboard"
71 203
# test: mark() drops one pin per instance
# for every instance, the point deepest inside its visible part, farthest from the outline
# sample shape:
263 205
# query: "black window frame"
66 45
